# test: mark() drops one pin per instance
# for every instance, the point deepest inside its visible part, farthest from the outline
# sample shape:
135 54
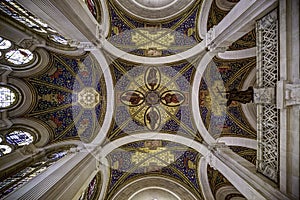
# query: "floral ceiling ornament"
88 97
153 95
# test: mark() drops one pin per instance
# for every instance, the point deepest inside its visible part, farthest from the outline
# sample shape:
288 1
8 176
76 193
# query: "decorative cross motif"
153 97
145 39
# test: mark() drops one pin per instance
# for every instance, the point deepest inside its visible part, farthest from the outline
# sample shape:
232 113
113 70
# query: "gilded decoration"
220 97
159 38
154 158
217 181
70 97
152 98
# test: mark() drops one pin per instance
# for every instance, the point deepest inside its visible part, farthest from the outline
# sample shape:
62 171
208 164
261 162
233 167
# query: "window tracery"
4 44
15 139
15 181
91 192
19 138
8 97
5 149
21 15
14 56
19 56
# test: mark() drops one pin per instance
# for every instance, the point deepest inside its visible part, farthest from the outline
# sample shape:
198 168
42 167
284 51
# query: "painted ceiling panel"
70 97
152 98
221 116
153 157
156 38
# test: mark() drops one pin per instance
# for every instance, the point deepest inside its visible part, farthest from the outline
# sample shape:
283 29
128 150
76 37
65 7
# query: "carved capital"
264 95
288 94
5 123
32 43
218 147
29 149
4 72
99 32
211 43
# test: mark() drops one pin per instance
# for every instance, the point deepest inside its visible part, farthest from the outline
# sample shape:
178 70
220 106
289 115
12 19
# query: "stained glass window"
4 44
19 56
15 181
20 14
58 39
4 149
91 189
7 97
91 5
19 138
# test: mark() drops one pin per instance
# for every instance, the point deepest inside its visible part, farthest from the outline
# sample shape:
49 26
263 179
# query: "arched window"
19 56
14 56
92 191
19 138
4 149
58 39
8 97
4 44
23 16
15 181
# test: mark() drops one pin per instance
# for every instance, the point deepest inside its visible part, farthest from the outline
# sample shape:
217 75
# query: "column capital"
267 20
215 148
288 94
32 43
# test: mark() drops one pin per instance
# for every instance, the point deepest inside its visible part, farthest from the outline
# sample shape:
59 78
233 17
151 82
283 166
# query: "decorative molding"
210 35
225 4
267 113
32 43
219 146
86 46
29 149
288 94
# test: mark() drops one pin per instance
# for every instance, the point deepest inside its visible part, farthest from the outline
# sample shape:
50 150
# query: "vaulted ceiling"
70 93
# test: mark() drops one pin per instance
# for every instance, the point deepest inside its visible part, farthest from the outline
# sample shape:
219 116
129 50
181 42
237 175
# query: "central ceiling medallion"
156 99
152 98
88 97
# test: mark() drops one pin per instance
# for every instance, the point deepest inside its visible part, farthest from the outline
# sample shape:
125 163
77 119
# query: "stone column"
242 174
288 97
239 21
63 180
